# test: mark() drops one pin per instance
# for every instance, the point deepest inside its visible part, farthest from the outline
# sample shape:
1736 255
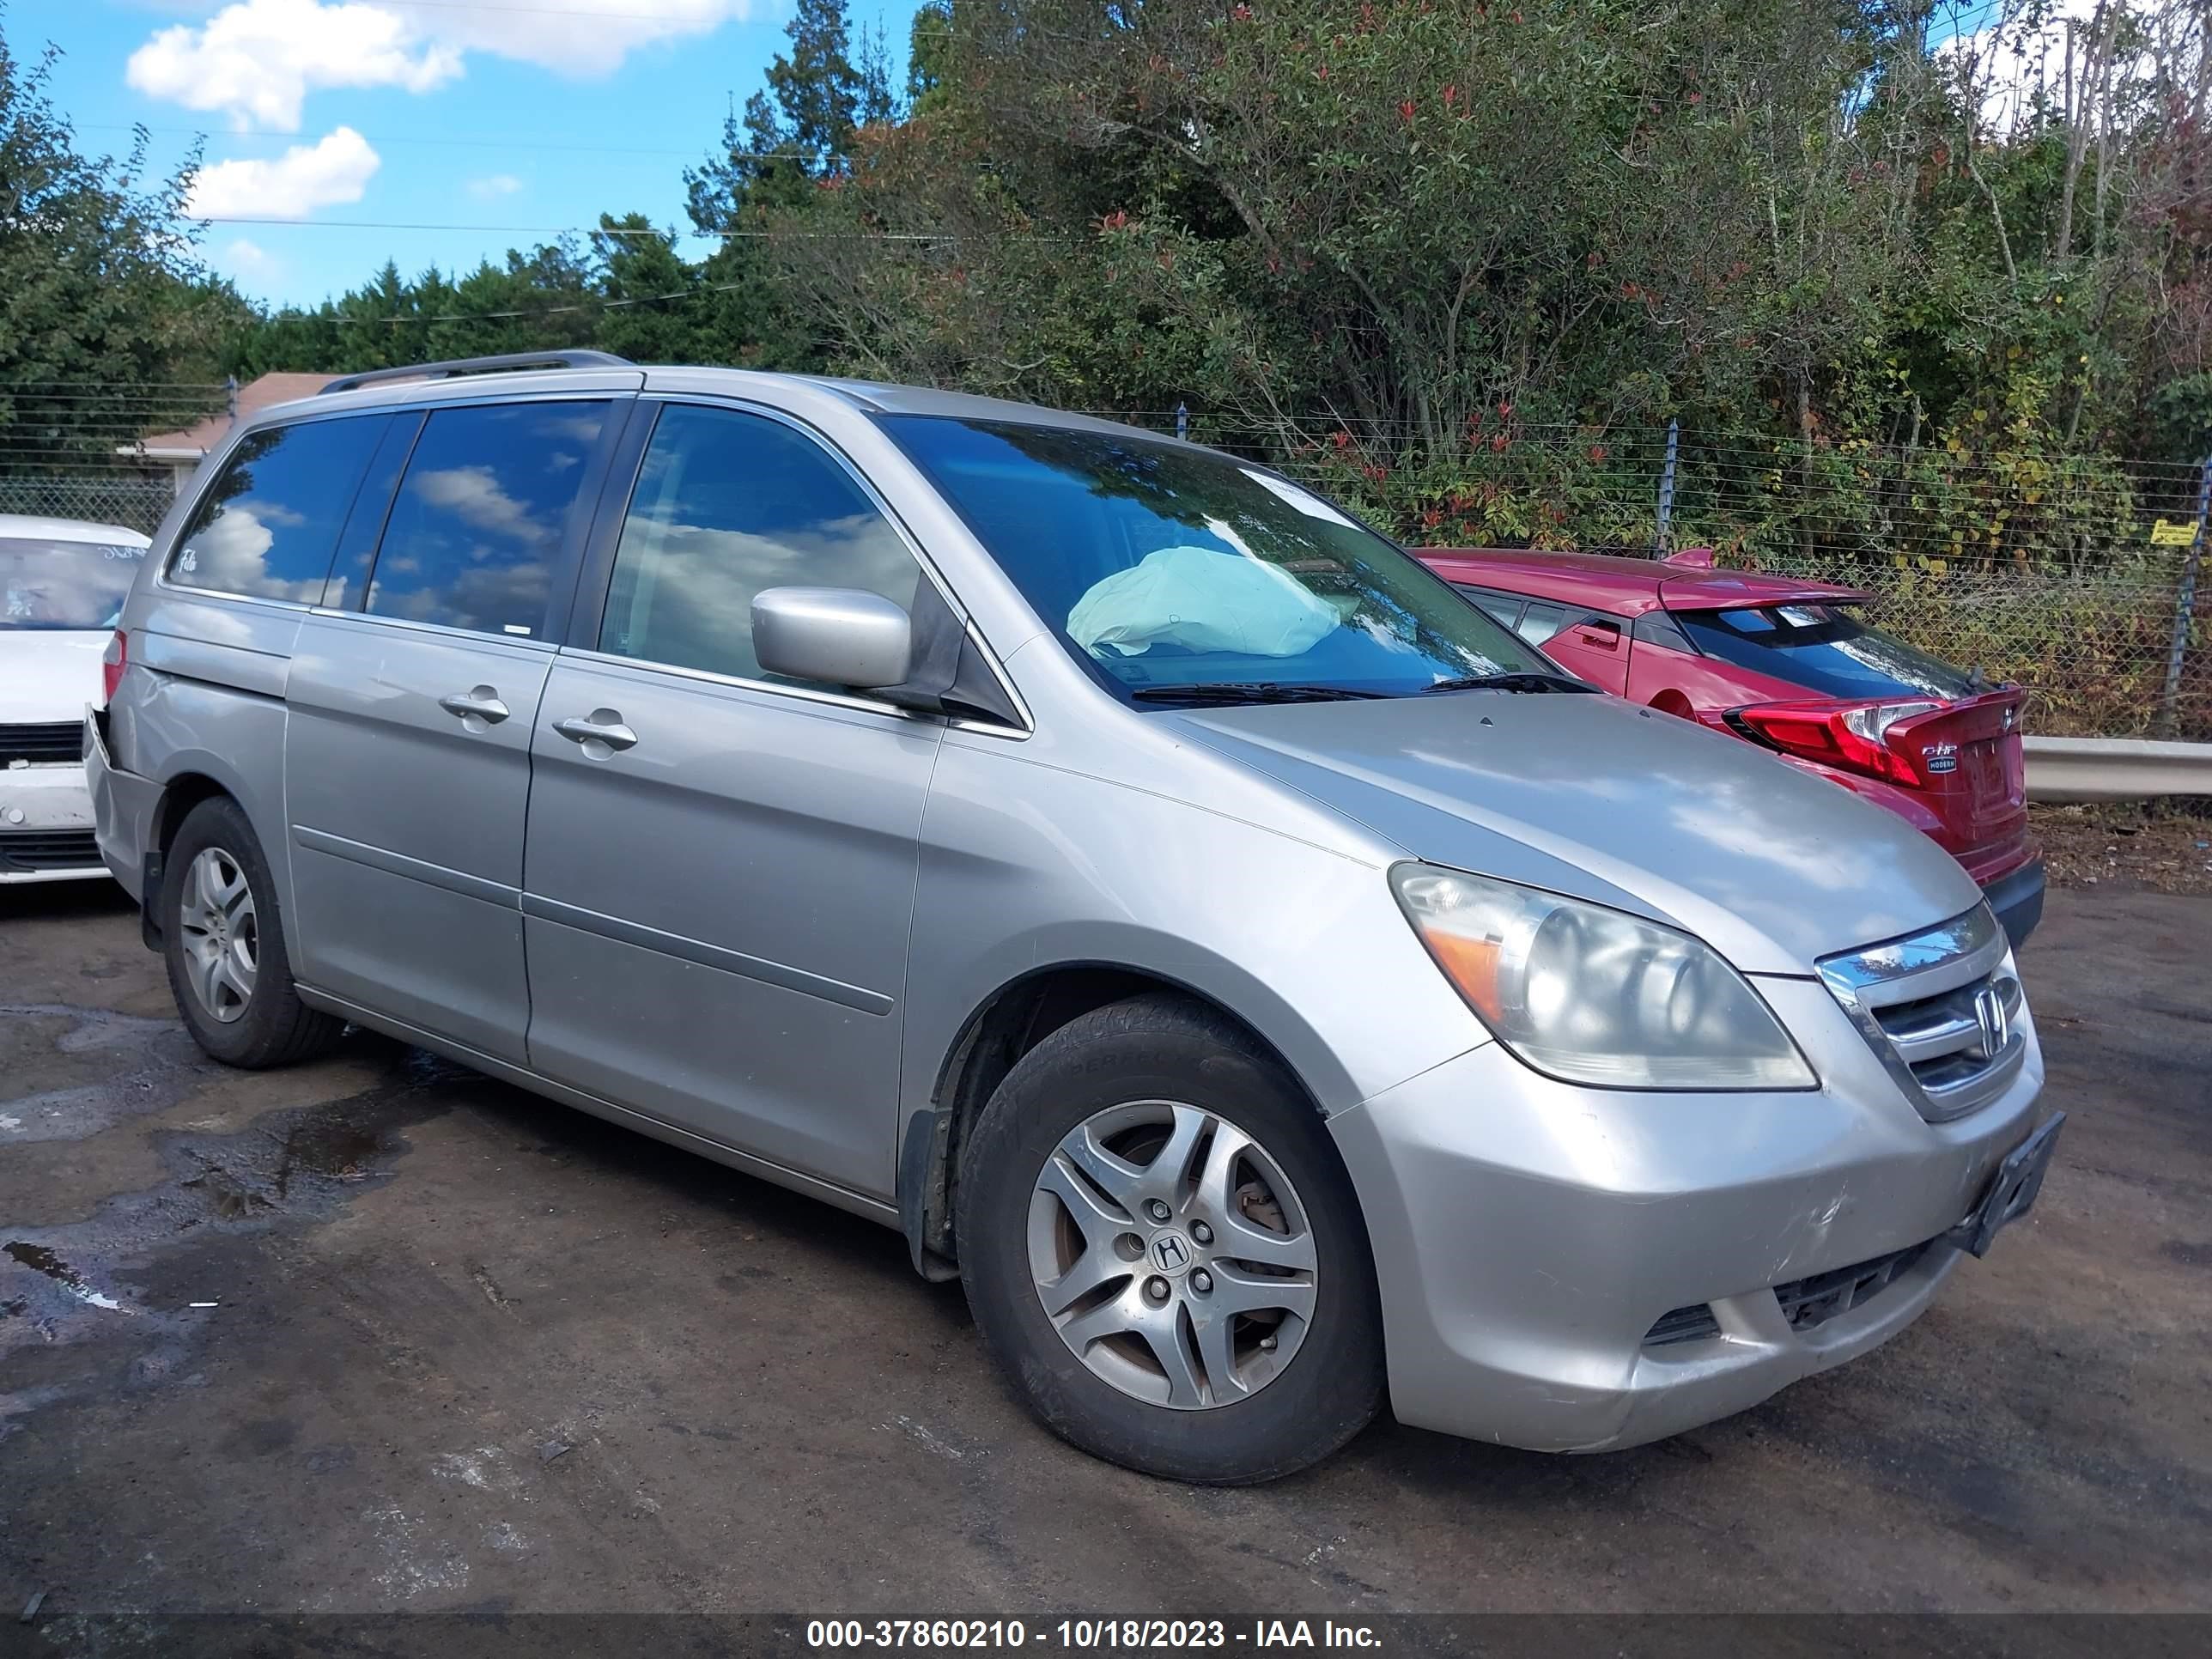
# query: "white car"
62 584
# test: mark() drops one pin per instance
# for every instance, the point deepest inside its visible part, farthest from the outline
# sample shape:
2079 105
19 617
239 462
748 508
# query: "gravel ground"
2165 847
377 1333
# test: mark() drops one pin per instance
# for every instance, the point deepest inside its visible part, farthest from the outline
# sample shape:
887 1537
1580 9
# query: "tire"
1187 1393
249 1015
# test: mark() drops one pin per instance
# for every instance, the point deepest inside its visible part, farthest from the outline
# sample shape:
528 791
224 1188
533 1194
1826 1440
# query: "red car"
1786 663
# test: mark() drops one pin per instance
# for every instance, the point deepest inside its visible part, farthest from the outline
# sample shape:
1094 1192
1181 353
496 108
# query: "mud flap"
149 892
921 1157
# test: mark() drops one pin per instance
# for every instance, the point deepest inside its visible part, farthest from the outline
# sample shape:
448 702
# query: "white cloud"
334 170
475 495
491 188
2020 57
243 258
256 60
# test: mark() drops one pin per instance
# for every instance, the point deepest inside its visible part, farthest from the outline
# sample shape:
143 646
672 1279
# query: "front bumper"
46 824
1529 1234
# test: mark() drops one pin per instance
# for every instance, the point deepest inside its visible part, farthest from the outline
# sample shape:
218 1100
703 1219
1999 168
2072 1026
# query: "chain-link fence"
2066 573
132 500
2071 575
73 449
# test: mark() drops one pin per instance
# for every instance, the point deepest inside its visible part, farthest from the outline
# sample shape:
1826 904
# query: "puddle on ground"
292 1165
41 1260
148 1065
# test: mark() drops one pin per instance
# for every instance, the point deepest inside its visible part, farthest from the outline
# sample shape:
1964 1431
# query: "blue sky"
428 113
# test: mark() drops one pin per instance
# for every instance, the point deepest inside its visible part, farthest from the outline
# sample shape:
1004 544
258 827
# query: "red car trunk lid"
1968 757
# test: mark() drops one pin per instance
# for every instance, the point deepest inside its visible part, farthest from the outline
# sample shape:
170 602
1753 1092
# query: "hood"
1602 801
48 675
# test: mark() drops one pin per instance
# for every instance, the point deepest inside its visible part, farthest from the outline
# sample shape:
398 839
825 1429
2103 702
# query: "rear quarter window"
1825 648
1540 621
268 526
1502 608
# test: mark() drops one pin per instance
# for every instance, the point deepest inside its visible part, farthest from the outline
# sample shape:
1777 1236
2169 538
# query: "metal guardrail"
2116 769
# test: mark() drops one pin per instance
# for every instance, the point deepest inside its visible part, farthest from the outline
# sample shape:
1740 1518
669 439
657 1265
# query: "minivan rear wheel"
1163 1252
223 942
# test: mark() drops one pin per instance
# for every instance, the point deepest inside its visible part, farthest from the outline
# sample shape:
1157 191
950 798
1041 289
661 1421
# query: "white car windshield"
1166 568
63 585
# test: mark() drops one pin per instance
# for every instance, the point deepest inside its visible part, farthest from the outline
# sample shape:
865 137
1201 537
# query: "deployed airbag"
1200 599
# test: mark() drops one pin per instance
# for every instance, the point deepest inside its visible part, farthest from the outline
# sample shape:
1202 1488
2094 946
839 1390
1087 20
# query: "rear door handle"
602 725
482 702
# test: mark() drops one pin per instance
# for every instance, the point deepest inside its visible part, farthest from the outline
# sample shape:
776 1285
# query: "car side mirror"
833 636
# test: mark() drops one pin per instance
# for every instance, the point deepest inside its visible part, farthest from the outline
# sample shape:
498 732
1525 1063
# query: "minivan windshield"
1171 570
1824 649
46 583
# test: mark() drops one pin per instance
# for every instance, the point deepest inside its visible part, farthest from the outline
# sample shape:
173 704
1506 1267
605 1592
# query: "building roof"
197 440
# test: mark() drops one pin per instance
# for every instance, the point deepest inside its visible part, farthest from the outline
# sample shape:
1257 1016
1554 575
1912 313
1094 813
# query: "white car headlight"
1588 994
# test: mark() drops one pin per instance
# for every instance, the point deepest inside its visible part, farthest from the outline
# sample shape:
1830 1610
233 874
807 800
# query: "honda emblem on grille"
1993 1025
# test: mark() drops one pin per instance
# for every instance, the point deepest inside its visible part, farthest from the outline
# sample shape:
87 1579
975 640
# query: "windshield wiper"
1525 680
1247 691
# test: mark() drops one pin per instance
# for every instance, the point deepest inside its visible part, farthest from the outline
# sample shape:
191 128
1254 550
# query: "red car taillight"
113 662
1850 735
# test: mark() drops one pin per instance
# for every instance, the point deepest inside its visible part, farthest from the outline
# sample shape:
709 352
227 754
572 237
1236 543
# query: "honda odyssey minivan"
1267 984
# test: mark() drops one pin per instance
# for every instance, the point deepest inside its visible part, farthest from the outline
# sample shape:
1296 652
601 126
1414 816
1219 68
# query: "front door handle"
479 703
602 728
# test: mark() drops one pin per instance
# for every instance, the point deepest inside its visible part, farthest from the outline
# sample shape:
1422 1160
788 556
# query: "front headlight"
1592 995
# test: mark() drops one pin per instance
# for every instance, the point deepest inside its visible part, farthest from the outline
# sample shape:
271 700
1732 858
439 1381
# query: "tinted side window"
725 505
477 526
270 524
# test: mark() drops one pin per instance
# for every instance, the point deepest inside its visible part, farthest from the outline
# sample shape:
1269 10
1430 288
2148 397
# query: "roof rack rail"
575 359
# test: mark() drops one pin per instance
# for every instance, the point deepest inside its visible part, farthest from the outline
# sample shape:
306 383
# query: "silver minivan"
1267 984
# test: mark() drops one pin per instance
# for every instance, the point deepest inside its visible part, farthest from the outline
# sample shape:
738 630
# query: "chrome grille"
1943 1010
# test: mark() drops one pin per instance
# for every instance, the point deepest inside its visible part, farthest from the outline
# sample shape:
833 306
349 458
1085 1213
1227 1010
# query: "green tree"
928 55
103 287
817 87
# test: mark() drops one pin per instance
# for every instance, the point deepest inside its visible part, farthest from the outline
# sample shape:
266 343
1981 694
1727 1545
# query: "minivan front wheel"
1164 1253
224 945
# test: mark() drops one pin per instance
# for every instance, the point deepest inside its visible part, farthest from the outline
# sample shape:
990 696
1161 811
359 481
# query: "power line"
664 235
705 22
712 152
697 20
398 317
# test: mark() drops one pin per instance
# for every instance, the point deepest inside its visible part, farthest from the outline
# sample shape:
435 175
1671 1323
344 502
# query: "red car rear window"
1824 649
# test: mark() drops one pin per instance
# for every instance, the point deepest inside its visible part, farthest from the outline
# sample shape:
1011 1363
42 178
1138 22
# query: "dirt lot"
464 1349
2166 845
